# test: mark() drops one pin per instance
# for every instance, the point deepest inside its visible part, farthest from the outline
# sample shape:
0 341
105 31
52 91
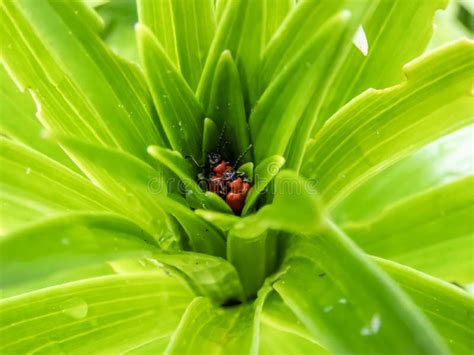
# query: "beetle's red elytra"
229 184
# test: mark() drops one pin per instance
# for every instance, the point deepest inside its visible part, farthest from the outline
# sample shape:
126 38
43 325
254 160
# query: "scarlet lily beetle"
223 178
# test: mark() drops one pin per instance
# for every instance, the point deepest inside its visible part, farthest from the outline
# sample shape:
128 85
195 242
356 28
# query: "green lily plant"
356 235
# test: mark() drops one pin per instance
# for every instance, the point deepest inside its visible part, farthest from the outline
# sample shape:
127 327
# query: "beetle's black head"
214 158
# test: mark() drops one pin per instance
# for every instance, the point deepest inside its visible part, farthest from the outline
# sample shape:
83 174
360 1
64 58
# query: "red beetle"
228 183
235 198
223 178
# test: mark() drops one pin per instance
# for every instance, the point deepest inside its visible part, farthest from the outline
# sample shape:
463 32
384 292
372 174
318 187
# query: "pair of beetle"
224 179
227 182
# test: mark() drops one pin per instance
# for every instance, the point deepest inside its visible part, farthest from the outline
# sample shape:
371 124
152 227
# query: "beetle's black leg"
194 161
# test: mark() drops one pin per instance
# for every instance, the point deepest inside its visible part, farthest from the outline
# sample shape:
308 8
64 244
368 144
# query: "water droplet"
342 301
28 171
373 327
327 309
375 323
65 241
75 307
377 132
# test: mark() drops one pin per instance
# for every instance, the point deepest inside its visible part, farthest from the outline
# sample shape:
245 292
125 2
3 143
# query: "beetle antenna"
194 161
241 156
220 142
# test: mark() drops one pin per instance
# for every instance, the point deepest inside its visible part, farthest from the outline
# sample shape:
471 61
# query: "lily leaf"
210 276
227 108
18 121
69 241
264 173
178 165
381 127
69 72
396 32
326 259
328 267
209 137
253 257
431 231
180 114
282 332
146 188
275 13
230 330
110 313
448 307
240 30
441 162
25 173
223 221
278 111
185 30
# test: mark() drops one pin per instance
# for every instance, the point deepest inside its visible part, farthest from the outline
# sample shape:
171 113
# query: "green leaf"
69 241
431 232
295 208
223 221
381 127
254 257
178 165
210 276
111 313
120 17
446 27
264 173
158 17
227 108
77 241
18 121
340 283
441 162
275 13
80 87
246 168
447 306
180 114
396 31
24 198
209 137
131 181
278 111
274 340
206 328
240 30
282 333
144 188
185 29
295 33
